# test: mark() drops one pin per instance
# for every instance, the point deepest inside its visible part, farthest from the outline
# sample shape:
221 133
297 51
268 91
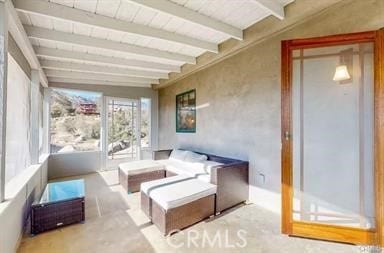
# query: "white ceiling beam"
64 80
18 33
107 60
75 39
49 64
66 13
191 16
273 7
101 77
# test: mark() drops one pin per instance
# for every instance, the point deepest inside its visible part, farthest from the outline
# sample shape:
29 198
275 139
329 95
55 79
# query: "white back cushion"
178 154
193 157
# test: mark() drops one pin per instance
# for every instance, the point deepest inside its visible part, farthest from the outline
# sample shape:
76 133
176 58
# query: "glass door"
328 129
123 128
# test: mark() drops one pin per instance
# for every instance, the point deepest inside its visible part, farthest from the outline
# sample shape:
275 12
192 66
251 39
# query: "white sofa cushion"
181 193
180 167
205 178
178 154
154 184
142 166
193 157
205 166
209 165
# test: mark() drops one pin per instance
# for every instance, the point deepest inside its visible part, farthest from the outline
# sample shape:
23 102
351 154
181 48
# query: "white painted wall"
18 136
73 163
27 185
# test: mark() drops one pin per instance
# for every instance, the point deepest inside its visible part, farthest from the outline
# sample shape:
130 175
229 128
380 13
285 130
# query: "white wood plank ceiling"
133 42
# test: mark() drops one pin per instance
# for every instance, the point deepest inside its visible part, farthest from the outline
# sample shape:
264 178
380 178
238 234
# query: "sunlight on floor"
115 223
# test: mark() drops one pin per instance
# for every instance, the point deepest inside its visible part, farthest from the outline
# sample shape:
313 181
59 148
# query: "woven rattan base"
175 219
131 183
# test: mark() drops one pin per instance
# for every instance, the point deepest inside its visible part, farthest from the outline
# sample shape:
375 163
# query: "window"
74 121
145 122
18 128
41 124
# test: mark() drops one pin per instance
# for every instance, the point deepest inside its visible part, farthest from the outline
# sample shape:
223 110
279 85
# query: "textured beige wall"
240 99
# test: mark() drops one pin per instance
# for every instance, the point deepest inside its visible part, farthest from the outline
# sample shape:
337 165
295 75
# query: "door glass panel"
333 135
123 139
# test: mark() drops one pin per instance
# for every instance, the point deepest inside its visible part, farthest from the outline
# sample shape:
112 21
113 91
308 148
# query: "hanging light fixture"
341 73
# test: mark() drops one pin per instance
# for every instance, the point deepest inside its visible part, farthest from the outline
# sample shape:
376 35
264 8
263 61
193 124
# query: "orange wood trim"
333 233
379 134
286 161
323 231
332 40
361 136
325 55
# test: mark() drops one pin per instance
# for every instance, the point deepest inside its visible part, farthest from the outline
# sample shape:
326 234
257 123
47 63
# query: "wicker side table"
61 204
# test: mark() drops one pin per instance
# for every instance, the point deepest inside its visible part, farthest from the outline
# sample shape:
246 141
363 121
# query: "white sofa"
229 175
184 162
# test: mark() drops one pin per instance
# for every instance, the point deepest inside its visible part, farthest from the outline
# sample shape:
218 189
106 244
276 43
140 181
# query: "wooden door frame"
324 231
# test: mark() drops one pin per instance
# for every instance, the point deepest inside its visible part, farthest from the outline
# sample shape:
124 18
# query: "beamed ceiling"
132 42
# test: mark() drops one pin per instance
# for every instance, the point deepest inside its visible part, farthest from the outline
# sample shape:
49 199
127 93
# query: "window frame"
48 123
149 122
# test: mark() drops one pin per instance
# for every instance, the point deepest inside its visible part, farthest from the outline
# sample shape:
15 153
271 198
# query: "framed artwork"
186 112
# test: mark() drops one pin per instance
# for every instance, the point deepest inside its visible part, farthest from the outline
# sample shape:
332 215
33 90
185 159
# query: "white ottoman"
132 174
181 204
149 186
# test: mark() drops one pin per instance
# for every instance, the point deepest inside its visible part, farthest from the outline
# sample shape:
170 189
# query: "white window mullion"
46 121
3 92
35 90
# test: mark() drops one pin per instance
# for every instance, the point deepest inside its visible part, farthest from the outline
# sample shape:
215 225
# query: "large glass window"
75 120
17 157
145 122
41 123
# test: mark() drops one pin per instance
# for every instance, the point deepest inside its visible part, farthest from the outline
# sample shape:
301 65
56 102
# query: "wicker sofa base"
131 183
172 220
145 204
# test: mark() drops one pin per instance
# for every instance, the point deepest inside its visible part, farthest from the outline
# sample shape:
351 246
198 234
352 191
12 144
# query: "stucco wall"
239 99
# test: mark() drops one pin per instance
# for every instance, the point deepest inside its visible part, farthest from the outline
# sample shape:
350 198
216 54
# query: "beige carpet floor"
115 223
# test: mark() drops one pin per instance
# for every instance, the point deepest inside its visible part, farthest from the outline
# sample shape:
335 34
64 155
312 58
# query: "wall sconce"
345 67
341 73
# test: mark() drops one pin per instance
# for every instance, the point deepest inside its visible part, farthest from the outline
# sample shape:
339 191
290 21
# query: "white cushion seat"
146 187
139 167
181 193
193 169
180 167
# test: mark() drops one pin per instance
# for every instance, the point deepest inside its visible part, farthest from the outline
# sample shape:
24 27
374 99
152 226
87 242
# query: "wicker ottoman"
181 204
132 174
152 185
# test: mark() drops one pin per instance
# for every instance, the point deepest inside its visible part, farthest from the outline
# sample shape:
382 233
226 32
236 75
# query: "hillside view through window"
75 121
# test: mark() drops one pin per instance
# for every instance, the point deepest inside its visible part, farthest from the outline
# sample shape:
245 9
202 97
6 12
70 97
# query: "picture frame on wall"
186 112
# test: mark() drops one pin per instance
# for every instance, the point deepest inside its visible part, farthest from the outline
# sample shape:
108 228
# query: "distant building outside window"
75 120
